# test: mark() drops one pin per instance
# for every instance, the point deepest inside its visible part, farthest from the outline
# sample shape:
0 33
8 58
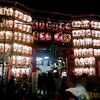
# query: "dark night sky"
63 6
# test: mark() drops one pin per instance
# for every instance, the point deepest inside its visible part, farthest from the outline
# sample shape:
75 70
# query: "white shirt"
79 91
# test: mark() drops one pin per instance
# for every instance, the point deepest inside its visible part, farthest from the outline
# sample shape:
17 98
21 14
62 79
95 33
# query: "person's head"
71 81
82 79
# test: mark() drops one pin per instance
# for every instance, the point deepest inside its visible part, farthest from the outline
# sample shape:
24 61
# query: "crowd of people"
16 89
69 87
50 84
74 89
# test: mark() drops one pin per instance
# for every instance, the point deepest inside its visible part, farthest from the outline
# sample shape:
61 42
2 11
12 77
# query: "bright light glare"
46 57
55 71
64 74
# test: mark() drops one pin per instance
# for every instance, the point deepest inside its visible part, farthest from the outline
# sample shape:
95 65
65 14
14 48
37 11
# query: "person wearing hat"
76 90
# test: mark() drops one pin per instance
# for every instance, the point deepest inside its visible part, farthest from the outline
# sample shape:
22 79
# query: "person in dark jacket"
24 87
11 88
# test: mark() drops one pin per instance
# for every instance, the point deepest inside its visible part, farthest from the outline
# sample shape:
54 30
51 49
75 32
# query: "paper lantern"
48 36
42 36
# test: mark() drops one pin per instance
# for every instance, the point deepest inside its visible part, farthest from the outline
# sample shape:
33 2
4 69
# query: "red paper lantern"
35 24
61 26
56 36
42 36
41 25
48 36
35 35
49 25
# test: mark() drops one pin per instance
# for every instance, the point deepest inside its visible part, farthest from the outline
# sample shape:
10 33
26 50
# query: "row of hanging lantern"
17 48
81 24
51 25
62 37
18 72
88 61
18 36
82 42
85 52
86 42
81 33
86 24
21 60
15 13
17 25
79 71
61 25
21 37
58 37
22 49
41 36
22 26
85 33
